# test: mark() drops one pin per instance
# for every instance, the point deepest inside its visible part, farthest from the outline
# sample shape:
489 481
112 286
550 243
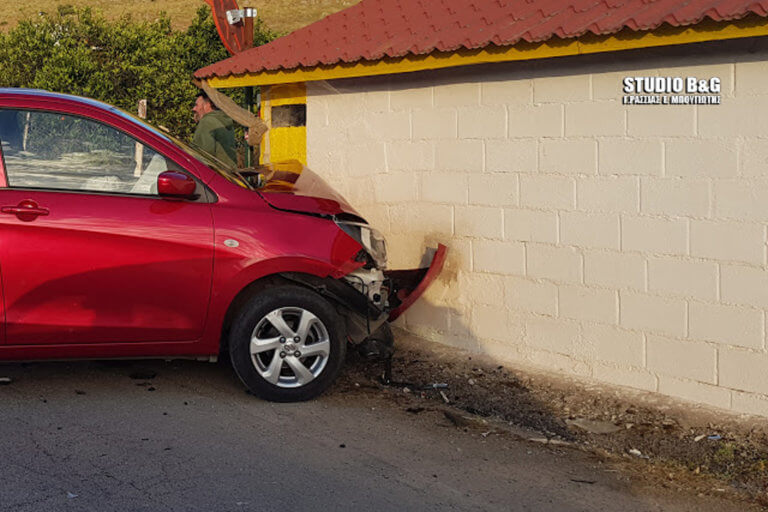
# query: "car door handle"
26 208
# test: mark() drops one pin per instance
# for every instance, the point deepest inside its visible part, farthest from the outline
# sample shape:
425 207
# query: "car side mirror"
176 184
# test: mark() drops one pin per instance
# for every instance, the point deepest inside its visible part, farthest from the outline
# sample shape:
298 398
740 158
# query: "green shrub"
77 51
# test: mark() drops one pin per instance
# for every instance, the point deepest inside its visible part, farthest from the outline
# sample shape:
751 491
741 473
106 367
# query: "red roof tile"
375 29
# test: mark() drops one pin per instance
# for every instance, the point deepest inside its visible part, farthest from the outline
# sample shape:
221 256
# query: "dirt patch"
282 16
660 441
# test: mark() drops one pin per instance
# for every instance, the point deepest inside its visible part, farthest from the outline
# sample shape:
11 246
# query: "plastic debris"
715 437
554 442
699 437
4 381
638 453
445 398
436 385
71 495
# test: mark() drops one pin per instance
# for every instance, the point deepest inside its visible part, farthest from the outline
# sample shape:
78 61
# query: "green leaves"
77 51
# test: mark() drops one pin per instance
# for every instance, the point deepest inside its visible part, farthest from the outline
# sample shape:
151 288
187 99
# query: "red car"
119 241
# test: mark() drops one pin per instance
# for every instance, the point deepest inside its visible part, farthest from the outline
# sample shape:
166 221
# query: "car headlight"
371 240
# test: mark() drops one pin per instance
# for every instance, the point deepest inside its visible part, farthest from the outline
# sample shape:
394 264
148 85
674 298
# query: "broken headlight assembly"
371 239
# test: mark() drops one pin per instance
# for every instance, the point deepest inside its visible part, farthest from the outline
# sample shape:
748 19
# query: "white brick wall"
623 243
631 156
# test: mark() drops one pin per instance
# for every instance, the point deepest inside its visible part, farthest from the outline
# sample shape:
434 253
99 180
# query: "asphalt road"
86 436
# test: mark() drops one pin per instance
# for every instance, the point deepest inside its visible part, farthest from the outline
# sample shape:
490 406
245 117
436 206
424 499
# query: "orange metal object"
235 37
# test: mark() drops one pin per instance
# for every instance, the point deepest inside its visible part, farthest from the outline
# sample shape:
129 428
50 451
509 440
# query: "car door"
89 252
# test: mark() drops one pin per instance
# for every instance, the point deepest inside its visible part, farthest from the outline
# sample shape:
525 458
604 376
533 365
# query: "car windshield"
227 171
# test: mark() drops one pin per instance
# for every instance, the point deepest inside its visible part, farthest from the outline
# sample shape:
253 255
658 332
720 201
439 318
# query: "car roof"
40 93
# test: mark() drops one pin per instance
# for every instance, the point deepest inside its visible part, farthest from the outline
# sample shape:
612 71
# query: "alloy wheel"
290 347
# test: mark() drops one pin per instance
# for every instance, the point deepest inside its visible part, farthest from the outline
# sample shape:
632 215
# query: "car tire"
286 344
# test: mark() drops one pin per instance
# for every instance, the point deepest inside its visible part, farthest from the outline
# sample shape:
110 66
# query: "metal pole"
248 43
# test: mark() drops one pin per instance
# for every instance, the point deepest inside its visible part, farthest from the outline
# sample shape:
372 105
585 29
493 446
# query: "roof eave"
666 35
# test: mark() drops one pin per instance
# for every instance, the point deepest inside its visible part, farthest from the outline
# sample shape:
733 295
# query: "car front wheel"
286 344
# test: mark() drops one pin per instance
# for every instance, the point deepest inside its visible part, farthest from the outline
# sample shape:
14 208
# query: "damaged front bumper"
391 292
368 298
407 286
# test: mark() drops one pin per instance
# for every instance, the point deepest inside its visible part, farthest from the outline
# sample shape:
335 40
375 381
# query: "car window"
60 151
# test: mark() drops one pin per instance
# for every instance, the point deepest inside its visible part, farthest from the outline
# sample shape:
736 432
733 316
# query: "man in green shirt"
215 132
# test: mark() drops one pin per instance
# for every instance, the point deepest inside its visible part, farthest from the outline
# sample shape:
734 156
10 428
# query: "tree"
78 51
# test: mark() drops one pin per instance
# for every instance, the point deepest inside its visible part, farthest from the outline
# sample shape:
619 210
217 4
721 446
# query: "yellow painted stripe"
266 116
751 26
288 94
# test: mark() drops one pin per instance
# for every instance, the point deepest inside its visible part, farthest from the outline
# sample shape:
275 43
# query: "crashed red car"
119 241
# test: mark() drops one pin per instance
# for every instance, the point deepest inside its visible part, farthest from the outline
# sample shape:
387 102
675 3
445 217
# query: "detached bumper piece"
407 286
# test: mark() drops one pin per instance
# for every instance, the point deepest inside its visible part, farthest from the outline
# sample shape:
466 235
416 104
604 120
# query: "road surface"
86 436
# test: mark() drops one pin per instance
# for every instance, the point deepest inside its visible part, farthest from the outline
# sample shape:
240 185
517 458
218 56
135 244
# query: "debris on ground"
580 481
436 385
459 421
463 421
594 426
4 381
552 441
556 410
143 375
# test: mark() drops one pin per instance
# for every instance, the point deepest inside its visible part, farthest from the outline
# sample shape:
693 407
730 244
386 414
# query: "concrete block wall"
622 243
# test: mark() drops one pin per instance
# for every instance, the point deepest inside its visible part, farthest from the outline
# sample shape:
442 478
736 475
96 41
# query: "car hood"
294 187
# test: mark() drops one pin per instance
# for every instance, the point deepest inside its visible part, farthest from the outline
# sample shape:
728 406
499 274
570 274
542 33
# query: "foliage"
77 51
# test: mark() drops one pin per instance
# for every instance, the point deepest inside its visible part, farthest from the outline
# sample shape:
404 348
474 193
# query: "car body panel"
103 268
291 186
